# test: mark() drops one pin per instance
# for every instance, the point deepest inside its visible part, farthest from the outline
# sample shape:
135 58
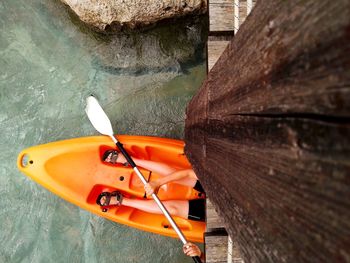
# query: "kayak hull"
73 170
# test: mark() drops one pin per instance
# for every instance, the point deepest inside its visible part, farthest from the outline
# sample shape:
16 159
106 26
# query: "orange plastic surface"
73 170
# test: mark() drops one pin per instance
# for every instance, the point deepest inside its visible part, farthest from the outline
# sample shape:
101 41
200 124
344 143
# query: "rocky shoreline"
130 14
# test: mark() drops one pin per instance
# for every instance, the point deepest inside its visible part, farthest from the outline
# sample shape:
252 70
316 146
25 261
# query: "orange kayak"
73 170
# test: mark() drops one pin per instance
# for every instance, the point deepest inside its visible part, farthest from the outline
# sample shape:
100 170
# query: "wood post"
268 133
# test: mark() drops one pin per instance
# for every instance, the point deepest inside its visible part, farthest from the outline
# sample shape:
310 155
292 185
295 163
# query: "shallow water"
49 64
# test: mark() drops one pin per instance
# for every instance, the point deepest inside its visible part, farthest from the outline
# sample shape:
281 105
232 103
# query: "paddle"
102 124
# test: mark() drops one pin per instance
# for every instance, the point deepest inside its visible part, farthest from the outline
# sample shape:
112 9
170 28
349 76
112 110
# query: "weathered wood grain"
221 16
236 254
242 11
290 61
213 220
282 186
215 49
216 249
268 134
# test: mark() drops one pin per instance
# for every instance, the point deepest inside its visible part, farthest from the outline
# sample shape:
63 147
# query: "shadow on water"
167 48
159 108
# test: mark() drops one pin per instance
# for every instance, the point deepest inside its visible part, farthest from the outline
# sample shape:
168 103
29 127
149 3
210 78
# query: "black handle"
197 259
149 178
126 155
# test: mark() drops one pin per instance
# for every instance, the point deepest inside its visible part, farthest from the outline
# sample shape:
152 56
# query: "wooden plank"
236 15
242 11
236 254
249 6
215 248
233 252
213 220
221 2
221 17
215 49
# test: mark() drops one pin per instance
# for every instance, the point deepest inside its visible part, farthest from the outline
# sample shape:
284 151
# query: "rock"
132 13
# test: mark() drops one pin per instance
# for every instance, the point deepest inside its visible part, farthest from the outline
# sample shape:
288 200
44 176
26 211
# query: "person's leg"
175 207
157 167
164 170
160 168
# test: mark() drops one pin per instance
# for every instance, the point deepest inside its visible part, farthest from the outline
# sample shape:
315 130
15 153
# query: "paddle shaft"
154 196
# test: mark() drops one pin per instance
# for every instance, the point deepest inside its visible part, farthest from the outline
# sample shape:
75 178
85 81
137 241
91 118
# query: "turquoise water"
49 64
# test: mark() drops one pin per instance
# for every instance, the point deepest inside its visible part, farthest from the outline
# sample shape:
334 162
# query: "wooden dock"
225 18
268 133
219 246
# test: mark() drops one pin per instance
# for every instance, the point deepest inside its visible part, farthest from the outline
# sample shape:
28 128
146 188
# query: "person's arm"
176 176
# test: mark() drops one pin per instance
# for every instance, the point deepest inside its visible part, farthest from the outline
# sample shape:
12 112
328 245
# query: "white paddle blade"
98 117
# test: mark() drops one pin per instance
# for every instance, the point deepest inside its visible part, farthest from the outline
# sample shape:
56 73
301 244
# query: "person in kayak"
187 209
